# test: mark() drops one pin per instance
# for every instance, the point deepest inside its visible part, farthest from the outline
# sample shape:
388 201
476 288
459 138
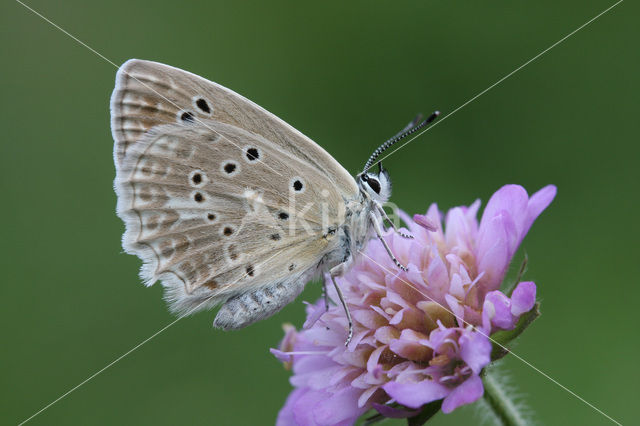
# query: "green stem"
500 404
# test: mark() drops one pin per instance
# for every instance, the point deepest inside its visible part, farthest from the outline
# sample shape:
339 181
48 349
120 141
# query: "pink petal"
320 379
434 216
340 406
368 318
314 312
356 339
415 395
425 222
282 356
501 310
457 228
386 333
312 363
408 318
456 308
505 222
438 336
488 312
372 362
475 350
456 288
523 298
469 391
298 409
408 346
366 396
471 214
414 275
512 199
497 242
286 416
437 277
537 203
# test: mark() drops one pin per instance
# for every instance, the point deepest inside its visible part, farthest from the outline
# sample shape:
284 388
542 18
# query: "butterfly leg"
334 272
325 295
376 226
390 222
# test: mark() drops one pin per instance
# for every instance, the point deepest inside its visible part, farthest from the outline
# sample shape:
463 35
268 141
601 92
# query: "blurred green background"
349 75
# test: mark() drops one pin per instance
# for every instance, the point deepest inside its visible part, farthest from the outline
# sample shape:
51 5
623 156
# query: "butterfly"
226 204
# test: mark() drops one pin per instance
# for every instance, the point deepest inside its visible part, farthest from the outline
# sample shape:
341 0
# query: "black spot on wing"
187 117
229 168
252 154
203 105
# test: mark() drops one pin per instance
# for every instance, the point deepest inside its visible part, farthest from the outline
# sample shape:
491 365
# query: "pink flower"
419 336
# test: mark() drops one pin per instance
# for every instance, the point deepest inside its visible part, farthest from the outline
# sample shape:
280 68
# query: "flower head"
421 335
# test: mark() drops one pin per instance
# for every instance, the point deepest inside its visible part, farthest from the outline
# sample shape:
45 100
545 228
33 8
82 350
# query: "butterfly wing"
215 210
149 93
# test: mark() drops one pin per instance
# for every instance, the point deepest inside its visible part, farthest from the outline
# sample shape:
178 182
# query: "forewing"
148 94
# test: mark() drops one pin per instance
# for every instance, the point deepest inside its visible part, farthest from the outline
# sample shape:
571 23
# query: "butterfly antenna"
407 131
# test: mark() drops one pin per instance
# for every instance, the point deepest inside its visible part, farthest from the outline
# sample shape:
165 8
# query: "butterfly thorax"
361 212
357 229
359 223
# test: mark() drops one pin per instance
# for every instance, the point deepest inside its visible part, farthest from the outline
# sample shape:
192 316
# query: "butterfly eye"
374 184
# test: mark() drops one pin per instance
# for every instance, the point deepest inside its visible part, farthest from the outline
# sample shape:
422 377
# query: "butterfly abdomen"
247 308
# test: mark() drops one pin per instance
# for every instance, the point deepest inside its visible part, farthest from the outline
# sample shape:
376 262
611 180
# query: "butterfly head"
376 184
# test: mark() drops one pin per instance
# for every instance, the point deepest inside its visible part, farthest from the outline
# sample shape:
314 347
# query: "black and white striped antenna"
407 131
